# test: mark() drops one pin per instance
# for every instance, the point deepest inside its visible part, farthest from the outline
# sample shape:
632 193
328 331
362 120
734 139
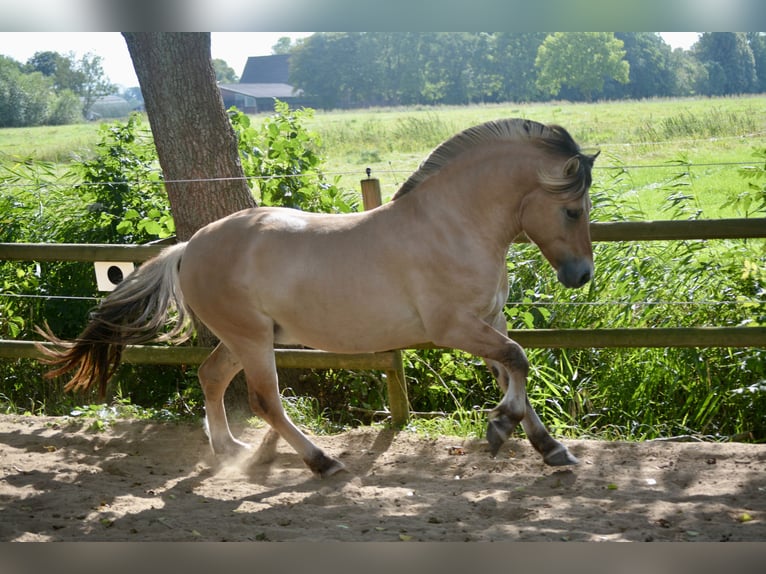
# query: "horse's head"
555 215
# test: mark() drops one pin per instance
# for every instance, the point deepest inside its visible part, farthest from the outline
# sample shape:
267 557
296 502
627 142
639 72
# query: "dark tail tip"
94 362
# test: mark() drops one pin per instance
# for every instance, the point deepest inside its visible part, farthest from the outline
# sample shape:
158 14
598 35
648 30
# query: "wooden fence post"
371 197
398 403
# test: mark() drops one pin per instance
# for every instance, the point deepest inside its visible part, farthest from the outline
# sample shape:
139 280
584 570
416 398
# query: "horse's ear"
590 159
571 168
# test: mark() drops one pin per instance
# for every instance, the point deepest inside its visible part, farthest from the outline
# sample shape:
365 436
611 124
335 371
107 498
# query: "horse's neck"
484 203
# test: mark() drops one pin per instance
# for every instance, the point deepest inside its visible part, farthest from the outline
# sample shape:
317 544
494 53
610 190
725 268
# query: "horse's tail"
135 312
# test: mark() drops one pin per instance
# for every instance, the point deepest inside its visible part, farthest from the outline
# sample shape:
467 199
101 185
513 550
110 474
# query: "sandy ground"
144 481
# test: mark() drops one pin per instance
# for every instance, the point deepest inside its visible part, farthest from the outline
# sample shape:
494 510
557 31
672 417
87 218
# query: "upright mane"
576 176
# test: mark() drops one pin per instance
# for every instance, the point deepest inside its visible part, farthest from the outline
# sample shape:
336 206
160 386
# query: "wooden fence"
391 361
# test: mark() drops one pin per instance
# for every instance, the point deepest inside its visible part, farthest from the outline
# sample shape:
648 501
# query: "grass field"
642 144
645 145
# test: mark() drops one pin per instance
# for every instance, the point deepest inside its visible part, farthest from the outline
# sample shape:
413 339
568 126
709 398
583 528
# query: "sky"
232 47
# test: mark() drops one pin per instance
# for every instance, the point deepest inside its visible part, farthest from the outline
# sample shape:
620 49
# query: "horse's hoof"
231 449
267 451
335 468
324 466
560 456
498 431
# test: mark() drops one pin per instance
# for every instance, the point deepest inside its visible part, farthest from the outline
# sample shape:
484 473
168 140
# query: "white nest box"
109 274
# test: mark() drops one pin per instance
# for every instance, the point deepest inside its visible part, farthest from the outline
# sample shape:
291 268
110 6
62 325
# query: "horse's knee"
511 407
514 357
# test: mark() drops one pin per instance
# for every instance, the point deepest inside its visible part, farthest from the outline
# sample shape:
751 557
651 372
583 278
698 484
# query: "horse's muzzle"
575 273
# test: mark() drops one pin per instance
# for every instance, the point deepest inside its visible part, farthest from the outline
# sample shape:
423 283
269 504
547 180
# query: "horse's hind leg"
215 374
264 399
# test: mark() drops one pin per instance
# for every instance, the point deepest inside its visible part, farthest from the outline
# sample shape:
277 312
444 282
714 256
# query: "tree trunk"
196 144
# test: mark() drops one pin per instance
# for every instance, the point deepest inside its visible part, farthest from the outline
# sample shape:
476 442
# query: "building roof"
266 70
277 90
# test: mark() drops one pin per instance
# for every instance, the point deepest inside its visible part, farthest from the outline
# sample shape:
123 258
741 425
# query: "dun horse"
429 266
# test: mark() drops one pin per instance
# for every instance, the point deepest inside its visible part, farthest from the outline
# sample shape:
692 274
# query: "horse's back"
322 280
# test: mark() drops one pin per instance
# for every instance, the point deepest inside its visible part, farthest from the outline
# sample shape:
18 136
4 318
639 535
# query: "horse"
429 266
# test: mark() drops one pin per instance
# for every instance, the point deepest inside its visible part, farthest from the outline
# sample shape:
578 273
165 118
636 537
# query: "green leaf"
150 226
125 227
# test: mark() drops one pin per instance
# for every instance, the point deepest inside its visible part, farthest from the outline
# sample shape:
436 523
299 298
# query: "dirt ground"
145 481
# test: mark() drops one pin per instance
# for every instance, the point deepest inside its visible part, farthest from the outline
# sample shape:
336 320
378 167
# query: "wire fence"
671 164
393 171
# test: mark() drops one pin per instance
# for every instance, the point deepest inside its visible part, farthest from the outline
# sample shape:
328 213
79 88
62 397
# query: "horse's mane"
576 176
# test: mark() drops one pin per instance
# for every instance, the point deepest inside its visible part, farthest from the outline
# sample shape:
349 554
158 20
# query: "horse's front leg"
503 419
511 375
502 422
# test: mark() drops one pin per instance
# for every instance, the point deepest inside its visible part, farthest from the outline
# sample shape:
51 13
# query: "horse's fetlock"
513 410
499 428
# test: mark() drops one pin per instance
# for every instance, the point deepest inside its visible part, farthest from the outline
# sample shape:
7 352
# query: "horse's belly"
350 332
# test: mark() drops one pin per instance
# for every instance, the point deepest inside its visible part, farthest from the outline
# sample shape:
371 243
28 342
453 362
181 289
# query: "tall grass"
713 122
57 144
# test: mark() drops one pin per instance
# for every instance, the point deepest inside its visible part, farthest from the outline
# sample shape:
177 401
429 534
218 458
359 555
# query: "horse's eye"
574 214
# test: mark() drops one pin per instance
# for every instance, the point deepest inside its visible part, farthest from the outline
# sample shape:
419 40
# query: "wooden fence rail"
391 362
614 231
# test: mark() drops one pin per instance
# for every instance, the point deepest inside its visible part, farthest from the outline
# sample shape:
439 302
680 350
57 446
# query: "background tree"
224 73
57 67
283 46
688 73
398 67
94 82
580 61
310 69
24 98
729 62
651 74
757 43
84 77
515 54
195 142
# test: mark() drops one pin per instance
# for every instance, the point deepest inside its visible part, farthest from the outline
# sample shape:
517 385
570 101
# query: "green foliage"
122 184
354 69
99 417
581 61
752 200
24 98
112 197
50 89
281 156
224 73
729 61
651 73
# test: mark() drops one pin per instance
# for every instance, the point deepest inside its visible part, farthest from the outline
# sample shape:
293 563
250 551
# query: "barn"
264 79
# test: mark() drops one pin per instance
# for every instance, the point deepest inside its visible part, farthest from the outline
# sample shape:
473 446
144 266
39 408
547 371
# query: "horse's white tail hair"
136 312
